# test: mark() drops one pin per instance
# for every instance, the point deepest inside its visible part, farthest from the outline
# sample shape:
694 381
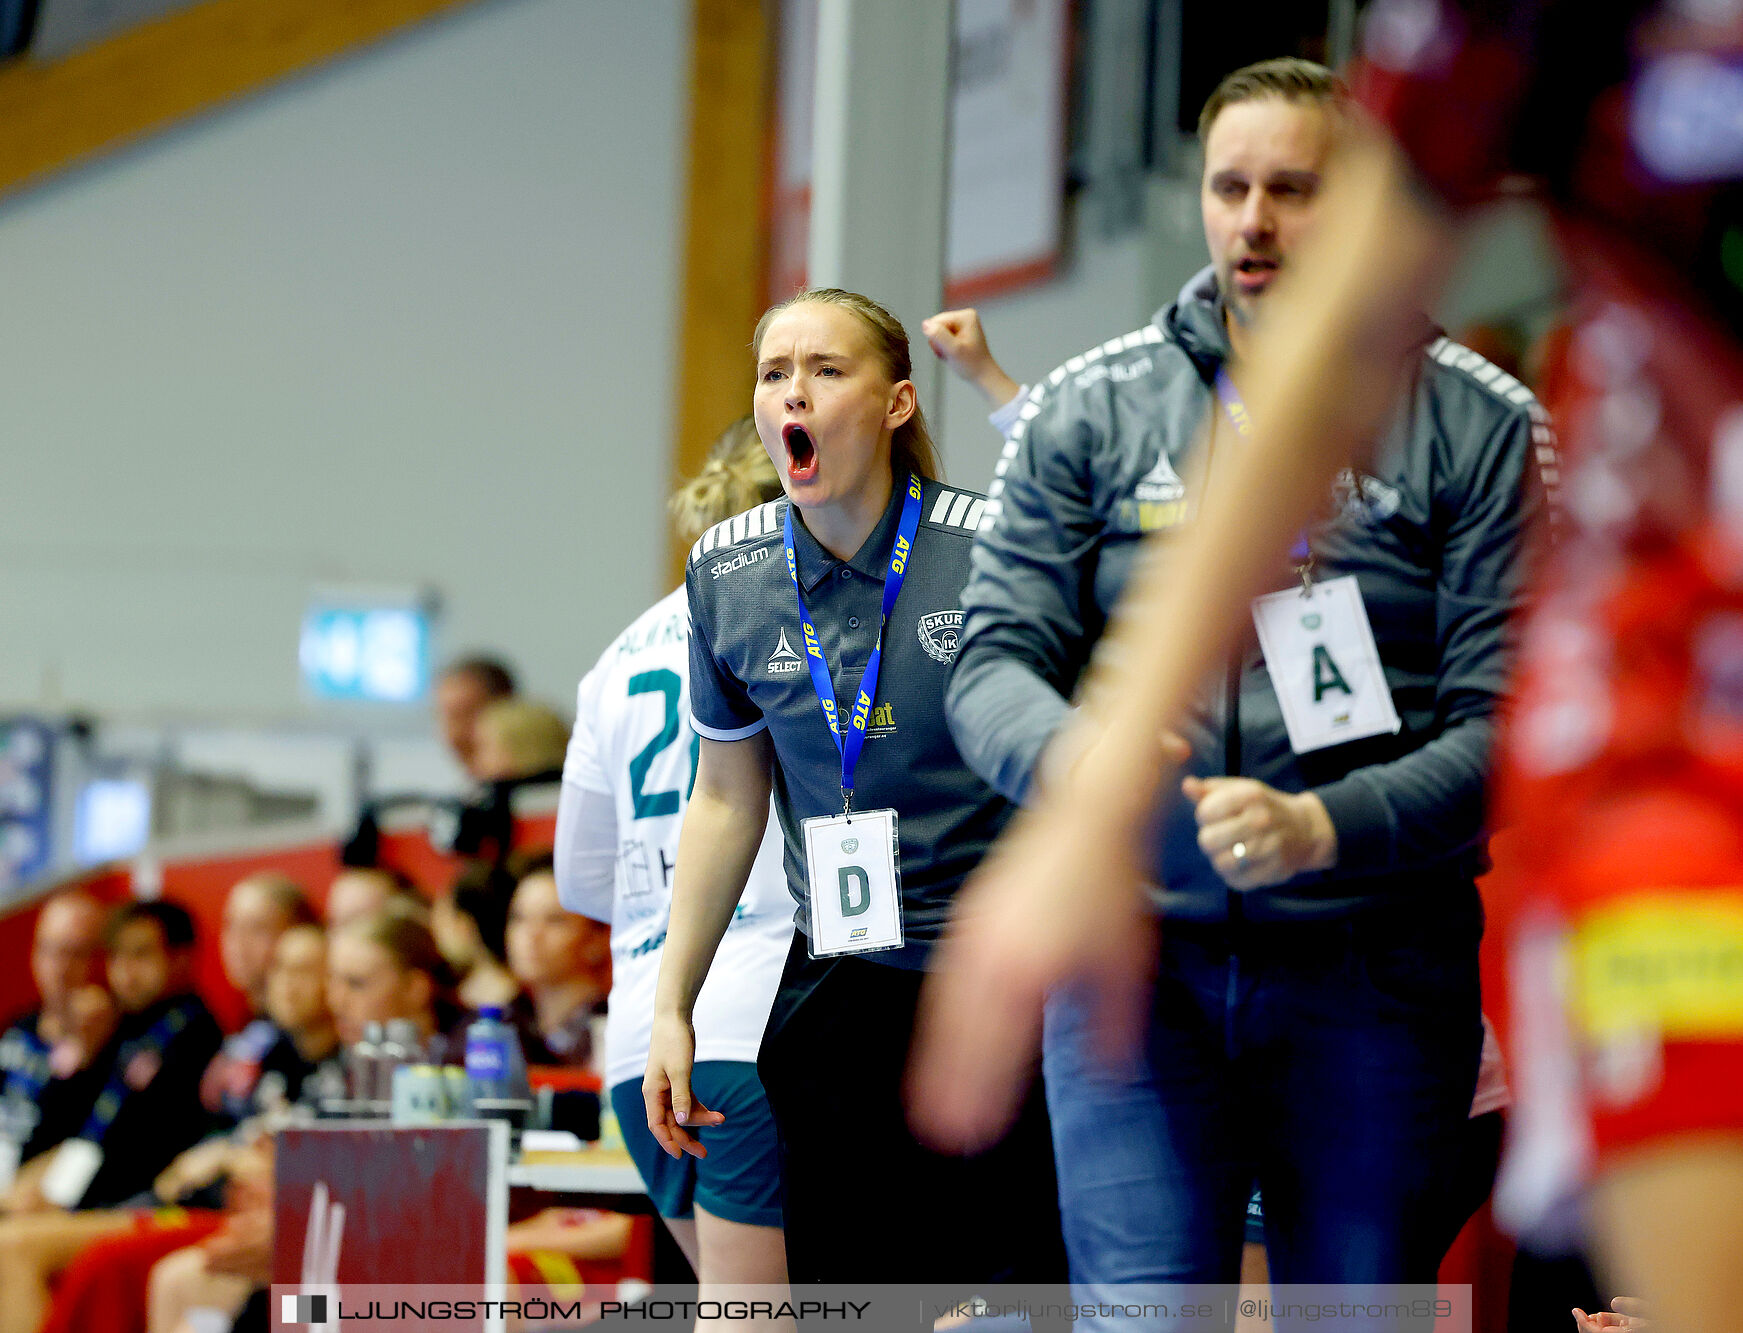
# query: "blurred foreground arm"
1060 900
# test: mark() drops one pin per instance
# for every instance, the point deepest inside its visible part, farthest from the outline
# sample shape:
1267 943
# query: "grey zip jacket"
1434 534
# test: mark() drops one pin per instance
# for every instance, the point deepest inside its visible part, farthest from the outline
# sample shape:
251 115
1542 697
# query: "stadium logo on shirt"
941 634
784 661
739 561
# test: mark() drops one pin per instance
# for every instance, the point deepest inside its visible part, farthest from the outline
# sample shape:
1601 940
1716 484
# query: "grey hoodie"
1434 535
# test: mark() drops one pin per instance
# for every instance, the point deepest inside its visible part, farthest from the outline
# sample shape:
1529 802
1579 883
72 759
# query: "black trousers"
864 1202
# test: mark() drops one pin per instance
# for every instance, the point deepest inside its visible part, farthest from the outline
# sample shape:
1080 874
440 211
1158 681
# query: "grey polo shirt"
747 672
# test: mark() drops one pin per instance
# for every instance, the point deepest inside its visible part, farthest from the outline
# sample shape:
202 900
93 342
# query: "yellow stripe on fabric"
1670 963
559 1272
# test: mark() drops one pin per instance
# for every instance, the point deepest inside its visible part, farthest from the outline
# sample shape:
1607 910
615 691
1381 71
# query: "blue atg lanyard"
153 1041
1230 398
850 744
24 1067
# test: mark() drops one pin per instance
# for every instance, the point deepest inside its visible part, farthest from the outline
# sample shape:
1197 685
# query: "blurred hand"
1629 1316
672 1108
1257 836
250 1171
242 1247
194 1169
1053 903
1060 900
25 1196
957 338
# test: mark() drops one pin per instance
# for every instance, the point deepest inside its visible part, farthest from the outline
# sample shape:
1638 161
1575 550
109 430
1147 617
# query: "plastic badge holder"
895 866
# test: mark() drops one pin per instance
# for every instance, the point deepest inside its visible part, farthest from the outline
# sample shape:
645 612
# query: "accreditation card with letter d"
852 886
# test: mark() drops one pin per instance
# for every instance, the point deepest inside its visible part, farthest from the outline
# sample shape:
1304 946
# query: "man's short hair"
284 893
1287 77
491 674
171 918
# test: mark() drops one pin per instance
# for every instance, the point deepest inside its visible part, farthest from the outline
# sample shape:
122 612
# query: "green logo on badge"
849 846
1311 620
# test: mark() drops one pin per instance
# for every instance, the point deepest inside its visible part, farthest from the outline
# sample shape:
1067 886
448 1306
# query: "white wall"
408 321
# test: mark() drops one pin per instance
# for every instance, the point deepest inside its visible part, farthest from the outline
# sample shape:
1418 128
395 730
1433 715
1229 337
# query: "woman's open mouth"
801 451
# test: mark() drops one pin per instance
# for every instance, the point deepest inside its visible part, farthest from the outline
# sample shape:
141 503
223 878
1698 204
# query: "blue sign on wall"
375 654
26 799
112 820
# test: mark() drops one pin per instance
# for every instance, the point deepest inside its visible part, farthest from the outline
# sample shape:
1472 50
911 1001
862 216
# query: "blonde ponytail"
737 476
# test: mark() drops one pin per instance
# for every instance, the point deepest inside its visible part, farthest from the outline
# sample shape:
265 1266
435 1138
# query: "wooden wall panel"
726 226
56 114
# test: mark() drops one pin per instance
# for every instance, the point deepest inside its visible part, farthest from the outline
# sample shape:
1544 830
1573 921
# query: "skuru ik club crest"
941 635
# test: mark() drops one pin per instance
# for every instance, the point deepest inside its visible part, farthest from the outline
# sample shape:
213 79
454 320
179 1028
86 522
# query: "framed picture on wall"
1009 73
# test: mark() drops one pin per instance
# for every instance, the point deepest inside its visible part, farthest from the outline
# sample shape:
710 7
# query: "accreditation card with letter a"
853 888
1319 650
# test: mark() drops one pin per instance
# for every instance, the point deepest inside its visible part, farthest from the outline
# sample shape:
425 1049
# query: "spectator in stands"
149 1109
104 1286
388 967
469 924
147 1112
517 738
296 1002
465 687
359 893
564 963
46 1081
379 969
258 911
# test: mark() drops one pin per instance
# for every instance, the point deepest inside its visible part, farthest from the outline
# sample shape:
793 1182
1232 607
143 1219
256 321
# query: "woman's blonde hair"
533 736
737 476
912 449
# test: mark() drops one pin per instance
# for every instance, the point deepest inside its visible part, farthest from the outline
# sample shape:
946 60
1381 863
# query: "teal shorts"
740 1179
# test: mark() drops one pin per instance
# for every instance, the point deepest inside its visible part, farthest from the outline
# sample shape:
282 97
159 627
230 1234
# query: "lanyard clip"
1305 569
846 802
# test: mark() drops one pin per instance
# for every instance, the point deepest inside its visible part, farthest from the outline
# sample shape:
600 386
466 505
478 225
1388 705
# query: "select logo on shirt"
784 661
941 635
1158 499
739 561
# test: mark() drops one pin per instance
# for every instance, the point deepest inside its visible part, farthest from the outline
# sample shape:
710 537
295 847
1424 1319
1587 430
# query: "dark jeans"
1332 1064
863 1201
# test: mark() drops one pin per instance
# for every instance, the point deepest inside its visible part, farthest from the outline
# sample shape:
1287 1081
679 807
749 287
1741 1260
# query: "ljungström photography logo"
302 1309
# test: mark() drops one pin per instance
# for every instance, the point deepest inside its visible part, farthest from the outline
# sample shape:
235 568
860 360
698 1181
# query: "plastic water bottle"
361 1064
494 1065
401 1047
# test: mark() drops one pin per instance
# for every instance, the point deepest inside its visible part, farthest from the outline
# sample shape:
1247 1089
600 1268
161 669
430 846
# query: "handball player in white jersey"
626 781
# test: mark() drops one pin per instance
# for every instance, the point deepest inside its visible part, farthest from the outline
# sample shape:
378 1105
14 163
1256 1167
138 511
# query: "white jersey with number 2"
626 781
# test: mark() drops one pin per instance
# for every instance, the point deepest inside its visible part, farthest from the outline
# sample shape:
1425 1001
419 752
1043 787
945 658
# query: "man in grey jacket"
1315 1026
